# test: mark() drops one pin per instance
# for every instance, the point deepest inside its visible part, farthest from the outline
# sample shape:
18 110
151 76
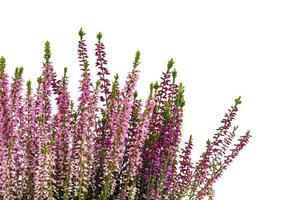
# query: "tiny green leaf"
86 64
39 80
180 100
104 118
174 74
47 52
238 101
208 142
136 59
81 33
170 63
19 72
65 71
156 85
97 83
135 94
28 86
99 37
151 89
214 166
116 77
2 64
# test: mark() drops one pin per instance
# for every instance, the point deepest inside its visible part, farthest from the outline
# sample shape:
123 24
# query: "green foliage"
65 71
28 86
81 33
151 87
2 64
39 80
238 101
180 100
170 63
47 52
174 74
167 112
18 73
156 86
136 59
97 83
135 95
99 37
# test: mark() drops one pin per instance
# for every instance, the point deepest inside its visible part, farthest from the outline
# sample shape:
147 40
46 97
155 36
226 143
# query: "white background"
222 49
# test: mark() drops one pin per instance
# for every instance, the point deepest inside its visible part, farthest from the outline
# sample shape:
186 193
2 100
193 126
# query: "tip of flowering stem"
116 77
97 83
170 63
214 166
81 33
151 89
99 37
2 63
180 100
156 85
191 138
86 64
136 59
65 71
39 80
44 150
248 132
51 142
238 101
135 94
47 52
71 104
166 113
104 118
19 72
208 142
28 86
174 74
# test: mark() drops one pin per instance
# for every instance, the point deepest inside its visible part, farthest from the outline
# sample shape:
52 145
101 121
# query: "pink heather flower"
19 142
207 189
185 169
102 89
81 153
103 71
174 135
152 154
108 129
45 168
62 137
4 112
133 151
94 137
14 150
212 162
31 148
118 137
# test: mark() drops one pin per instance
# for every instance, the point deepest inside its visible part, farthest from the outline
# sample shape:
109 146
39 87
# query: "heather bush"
109 144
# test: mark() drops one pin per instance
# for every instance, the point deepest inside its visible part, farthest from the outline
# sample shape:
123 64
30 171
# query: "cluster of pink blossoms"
111 144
